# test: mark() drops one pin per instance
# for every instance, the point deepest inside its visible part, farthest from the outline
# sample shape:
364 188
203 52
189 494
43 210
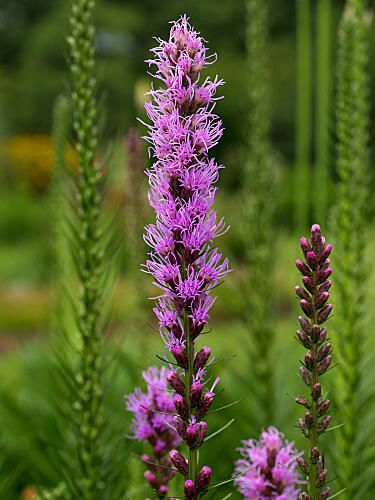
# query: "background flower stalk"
314 296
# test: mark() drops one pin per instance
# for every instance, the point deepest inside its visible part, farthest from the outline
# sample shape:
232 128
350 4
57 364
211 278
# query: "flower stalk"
314 296
183 261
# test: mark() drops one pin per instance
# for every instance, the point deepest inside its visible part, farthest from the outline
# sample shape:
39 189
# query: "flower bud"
321 299
205 404
195 392
189 489
315 333
305 325
324 351
302 424
324 494
314 455
323 424
322 478
201 358
163 490
323 335
302 267
325 364
179 354
305 245
303 465
305 375
325 287
179 462
303 338
303 401
181 406
316 391
309 360
180 426
312 260
309 419
191 434
151 479
175 382
301 293
324 313
306 307
303 496
203 478
316 236
323 407
201 432
308 283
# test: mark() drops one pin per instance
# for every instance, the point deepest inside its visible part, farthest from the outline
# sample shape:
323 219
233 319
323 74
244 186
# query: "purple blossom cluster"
183 260
313 296
268 468
153 423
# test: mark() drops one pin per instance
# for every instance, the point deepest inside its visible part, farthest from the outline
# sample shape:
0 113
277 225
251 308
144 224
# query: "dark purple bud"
305 375
181 406
324 313
324 423
305 325
324 351
321 299
301 293
305 245
303 268
201 358
323 335
323 407
201 432
325 287
303 427
309 419
320 464
309 360
303 465
179 462
326 252
316 391
303 401
146 458
308 284
324 494
316 237
323 275
325 364
151 479
315 333
205 404
179 355
303 496
314 455
189 489
195 392
312 260
322 478
191 434
306 307
203 478
303 338
180 426
175 382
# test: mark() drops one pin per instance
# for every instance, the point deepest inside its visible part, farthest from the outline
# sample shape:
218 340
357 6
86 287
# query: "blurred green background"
33 72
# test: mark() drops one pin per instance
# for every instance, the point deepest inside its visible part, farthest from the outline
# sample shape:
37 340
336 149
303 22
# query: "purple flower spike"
314 297
269 468
153 423
183 260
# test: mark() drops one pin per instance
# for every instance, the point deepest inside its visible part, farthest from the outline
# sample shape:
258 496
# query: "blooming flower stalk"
183 260
268 468
153 423
314 295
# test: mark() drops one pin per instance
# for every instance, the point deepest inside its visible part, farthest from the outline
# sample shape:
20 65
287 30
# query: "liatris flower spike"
153 423
268 468
314 295
183 260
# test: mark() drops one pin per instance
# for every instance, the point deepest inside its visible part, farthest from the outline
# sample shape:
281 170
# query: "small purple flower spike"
313 296
153 423
183 260
269 468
